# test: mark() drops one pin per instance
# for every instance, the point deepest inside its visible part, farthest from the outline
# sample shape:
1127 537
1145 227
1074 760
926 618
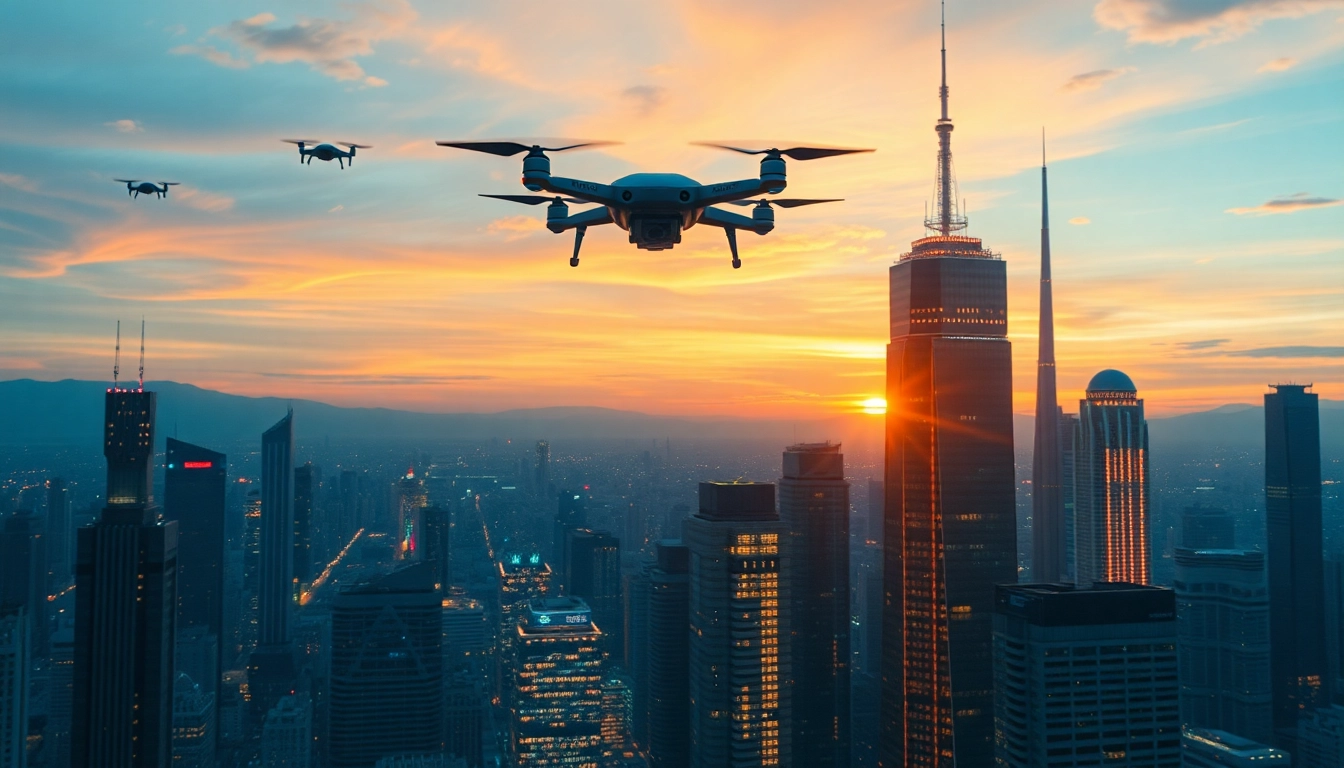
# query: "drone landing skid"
578 241
732 245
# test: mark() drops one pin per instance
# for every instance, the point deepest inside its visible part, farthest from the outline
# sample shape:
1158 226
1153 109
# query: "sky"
1196 195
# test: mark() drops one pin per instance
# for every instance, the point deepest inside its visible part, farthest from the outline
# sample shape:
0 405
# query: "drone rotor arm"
728 192
582 191
593 217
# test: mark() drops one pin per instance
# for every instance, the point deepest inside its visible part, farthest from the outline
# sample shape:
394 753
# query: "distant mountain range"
69 413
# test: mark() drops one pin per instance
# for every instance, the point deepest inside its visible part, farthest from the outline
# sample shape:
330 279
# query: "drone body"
655 208
136 188
326 152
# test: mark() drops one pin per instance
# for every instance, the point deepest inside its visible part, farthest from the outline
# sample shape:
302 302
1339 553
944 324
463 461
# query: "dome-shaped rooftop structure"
1111 380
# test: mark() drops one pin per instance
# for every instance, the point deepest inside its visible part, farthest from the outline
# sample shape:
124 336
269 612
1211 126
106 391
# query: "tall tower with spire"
949 516
1047 465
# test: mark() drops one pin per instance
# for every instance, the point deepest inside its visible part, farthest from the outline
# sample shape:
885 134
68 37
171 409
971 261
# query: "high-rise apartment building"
1111 505
287 735
1085 676
15 668
1222 612
951 530
1298 666
125 605
740 630
59 533
556 704
1047 467
194 497
814 510
669 656
593 574
386 672
1211 748
24 577
307 486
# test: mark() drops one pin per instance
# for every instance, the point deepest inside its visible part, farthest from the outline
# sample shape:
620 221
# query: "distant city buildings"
411 499
15 668
556 709
1085 676
59 534
1210 748
571 512
740 632
307 485
593 574
1207 528
287 735
1222 610
1299 667
1111 501
193 725
814 511
669 699
23 575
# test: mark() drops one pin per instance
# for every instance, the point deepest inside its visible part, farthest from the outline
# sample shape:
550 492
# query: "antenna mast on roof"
142 353
116 361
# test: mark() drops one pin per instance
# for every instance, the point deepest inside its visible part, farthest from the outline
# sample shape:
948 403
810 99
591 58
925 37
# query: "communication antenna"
116 361
142 353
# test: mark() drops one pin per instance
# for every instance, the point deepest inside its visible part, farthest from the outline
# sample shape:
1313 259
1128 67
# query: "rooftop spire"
947 218
142 353
116 361
1049 548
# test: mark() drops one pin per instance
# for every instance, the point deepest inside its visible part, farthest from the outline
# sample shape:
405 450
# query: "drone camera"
655 233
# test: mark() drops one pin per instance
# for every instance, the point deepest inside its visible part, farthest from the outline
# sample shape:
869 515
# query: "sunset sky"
1196 179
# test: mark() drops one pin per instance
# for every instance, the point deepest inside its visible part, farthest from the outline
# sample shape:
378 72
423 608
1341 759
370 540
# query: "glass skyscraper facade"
556 711
1111 505
193 496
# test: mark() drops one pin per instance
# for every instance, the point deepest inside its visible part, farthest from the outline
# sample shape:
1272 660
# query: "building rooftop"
1065 605
1231 744
1111 380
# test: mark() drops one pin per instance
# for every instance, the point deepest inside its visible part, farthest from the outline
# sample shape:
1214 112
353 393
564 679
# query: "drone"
326 152
654 207
136 188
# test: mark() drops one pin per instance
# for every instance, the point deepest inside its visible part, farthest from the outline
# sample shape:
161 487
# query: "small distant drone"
136 188
653 207
326 152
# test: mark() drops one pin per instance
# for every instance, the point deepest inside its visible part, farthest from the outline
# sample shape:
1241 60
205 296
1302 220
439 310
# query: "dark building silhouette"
1048 551
193 497
876 508
814 508
59 534
464 710
125 606
386 669
740 633
307 484
593 574
1208 528
637 646
669 698
950 532
1111 483
15 670
541 478
437 524
1294 558
23 576
571 512
272 671
1068 432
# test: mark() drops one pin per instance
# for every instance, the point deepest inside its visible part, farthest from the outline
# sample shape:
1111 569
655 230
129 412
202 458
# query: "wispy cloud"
645 98
125 126
1282 64
1291 204
1079 221
18 182
515 227
1302 351
374 379
1091 81
1216 21
204 201
1202 344
213 55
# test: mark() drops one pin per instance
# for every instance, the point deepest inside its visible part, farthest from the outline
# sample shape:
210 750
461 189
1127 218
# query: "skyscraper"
669 656
1068 433
1295 558
593 574
275 590
307 483
570 513
556 711
1207 528
386 669
464 709
193 497
125 605
58 533
15 667
521 578
740 633
814 509
437 525
542 474
23 575
287 736
411 498
1222 620
951 518
1085 676
1111 483
1047 465
193 724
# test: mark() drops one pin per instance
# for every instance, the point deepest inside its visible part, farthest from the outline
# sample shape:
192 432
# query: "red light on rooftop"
197 464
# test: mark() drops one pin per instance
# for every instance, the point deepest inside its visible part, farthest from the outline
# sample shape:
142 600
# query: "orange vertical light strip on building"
1106 519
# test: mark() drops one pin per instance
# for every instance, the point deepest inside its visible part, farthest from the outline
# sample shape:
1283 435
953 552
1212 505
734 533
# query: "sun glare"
874 405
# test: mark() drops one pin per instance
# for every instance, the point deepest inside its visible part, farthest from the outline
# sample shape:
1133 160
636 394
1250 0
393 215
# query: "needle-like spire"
142 353
1049 548
947 218
116 361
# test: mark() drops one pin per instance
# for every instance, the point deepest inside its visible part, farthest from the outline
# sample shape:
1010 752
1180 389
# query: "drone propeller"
126 181
355 146
170 183
534 199
511 148
793 153
299 141
784 203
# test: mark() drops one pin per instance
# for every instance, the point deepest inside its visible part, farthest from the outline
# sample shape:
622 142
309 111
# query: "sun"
875 406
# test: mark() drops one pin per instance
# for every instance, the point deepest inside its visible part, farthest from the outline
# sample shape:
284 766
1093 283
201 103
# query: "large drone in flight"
326 152
136 188
653 207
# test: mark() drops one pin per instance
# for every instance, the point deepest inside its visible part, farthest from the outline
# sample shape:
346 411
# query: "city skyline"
254 270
